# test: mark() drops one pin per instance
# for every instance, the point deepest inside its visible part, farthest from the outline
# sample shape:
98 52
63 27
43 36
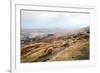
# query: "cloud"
40 19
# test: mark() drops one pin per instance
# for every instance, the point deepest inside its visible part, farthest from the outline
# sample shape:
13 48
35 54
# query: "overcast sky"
40 19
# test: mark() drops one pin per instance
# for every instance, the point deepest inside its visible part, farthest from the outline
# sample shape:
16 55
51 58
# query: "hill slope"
62 47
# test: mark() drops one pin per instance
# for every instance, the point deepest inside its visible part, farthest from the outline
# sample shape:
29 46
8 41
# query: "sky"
41 19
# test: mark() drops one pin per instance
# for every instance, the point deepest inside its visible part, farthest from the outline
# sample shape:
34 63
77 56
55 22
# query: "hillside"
61 46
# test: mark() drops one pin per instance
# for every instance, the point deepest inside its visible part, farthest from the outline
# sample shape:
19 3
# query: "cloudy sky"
41 19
